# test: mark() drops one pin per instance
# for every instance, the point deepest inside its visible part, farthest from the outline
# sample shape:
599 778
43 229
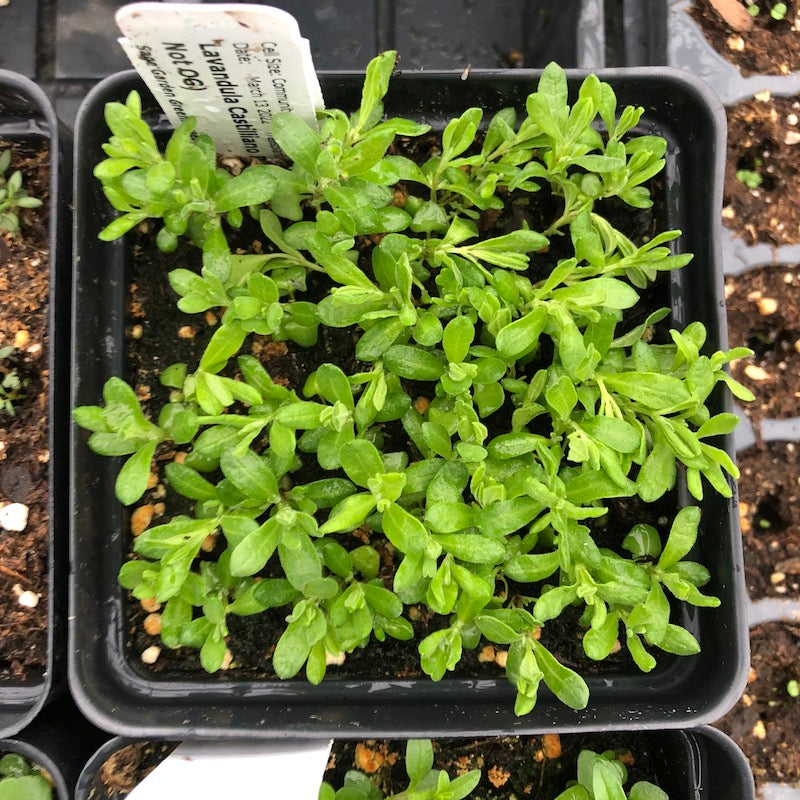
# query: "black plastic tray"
26 114
701 764
106 680
686 47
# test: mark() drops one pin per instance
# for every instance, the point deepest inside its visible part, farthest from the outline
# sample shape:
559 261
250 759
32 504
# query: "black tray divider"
26 112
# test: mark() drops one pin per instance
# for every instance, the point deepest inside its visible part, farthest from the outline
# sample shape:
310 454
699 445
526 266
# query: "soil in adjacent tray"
764 315
769 507
764 722
24 454
764 138
155 329
770 46
511 766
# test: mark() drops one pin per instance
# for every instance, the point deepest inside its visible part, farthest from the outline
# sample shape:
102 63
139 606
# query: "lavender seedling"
12 196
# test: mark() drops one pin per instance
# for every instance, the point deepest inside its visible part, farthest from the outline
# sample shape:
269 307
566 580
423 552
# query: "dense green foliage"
539 402
21 780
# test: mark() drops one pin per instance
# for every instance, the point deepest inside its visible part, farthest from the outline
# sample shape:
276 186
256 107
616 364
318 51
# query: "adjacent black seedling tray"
59 740
26 114
682 43
107 680
701 764
39 757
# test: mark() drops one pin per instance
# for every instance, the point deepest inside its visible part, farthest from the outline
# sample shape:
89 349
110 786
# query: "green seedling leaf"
496 630
252 187
376 83
361 461
404 531
306 627
643 790
457 339
598 642
471 547
658 473
682 536
300 560
25 787
251 475
521 336
606 781
651 389
460 133
718 425
189 482
132 480
532 568
565 684
349 513
253 552
413 363
419 759
297 139
617 434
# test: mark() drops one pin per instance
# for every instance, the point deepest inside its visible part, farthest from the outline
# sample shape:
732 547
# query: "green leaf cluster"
528 398
424 782
12 385
602 777
13 196
22 780
778 11
183 186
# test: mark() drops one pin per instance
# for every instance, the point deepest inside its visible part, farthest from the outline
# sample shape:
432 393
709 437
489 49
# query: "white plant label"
243 770
231 65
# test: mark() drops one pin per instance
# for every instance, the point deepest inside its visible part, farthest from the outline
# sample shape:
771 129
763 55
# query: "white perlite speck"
14 517
29 599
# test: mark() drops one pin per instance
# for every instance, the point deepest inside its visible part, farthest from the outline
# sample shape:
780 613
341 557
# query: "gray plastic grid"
81 36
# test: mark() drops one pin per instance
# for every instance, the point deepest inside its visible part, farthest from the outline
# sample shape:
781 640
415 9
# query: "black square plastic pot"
701 764
26 115
108 680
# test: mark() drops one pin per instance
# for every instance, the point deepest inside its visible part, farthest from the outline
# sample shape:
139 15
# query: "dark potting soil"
769 46
159 335
126 768
769 508
764 315
511 766
764 721
763 137
24 453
